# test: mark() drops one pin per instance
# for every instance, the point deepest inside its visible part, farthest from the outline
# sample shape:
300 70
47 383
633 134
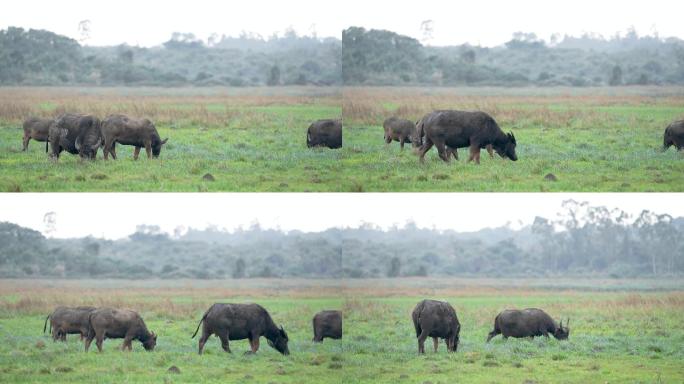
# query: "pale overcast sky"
117 215
485 22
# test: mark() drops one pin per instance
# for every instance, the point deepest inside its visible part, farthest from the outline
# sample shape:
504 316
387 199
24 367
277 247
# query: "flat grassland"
620 332
590 139
251 139
254 140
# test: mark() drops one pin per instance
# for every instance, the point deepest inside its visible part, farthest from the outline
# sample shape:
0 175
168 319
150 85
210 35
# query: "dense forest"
39 57
379 57
581 241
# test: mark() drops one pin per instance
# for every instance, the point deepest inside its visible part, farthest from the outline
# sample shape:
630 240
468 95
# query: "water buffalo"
241 321
436 319
458 129
127 131
36 129
528 322
76 134
674 135
118 324
418 135
325 133
66 320
399 130
327 324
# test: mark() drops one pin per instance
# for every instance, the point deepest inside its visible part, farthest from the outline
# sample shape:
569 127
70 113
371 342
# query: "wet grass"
631 336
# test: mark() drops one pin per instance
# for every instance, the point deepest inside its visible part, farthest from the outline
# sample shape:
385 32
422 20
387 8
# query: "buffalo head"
508 149
279 343
151 342
562 333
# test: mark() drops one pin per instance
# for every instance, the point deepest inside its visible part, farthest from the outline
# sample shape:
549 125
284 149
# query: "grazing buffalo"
118 324
399 130
417 138
76 134
458 129
36 129
674 135
325 133
126 131
66 320
327 324
528 322
436 319
241 321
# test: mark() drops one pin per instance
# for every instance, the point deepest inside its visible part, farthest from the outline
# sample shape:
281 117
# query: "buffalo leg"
25 142
128 340
474 153
203 339
490 151
112 150
148 149
224 341
87 342
424 149
136 152
254 342
441 149
99 338
401 143
55 334
421 341
435 341
106 149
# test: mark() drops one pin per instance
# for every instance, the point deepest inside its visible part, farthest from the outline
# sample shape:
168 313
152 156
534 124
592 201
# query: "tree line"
582 241
39 57
380 57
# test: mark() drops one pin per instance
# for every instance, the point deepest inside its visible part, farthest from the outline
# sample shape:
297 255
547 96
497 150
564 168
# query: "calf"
327 324
399 130
324 133
36 129
66 320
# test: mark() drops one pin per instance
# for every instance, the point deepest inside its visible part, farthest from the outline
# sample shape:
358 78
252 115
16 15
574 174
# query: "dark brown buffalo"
325 133
458 129
118 324
399 130
417 138
127 131
66 320
76 134
674 135
528 322
327 324
436 319
238 322
36 129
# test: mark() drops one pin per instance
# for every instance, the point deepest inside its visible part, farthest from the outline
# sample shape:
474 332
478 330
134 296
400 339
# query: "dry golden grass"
370 105
210 107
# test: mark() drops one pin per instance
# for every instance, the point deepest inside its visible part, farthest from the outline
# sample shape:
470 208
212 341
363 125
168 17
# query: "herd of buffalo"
431 318
446 130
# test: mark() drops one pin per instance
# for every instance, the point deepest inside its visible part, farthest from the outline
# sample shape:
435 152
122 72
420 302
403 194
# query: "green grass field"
590 140
628 336
249 142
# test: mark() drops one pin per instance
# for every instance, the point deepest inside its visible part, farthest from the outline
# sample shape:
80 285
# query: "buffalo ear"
165 140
